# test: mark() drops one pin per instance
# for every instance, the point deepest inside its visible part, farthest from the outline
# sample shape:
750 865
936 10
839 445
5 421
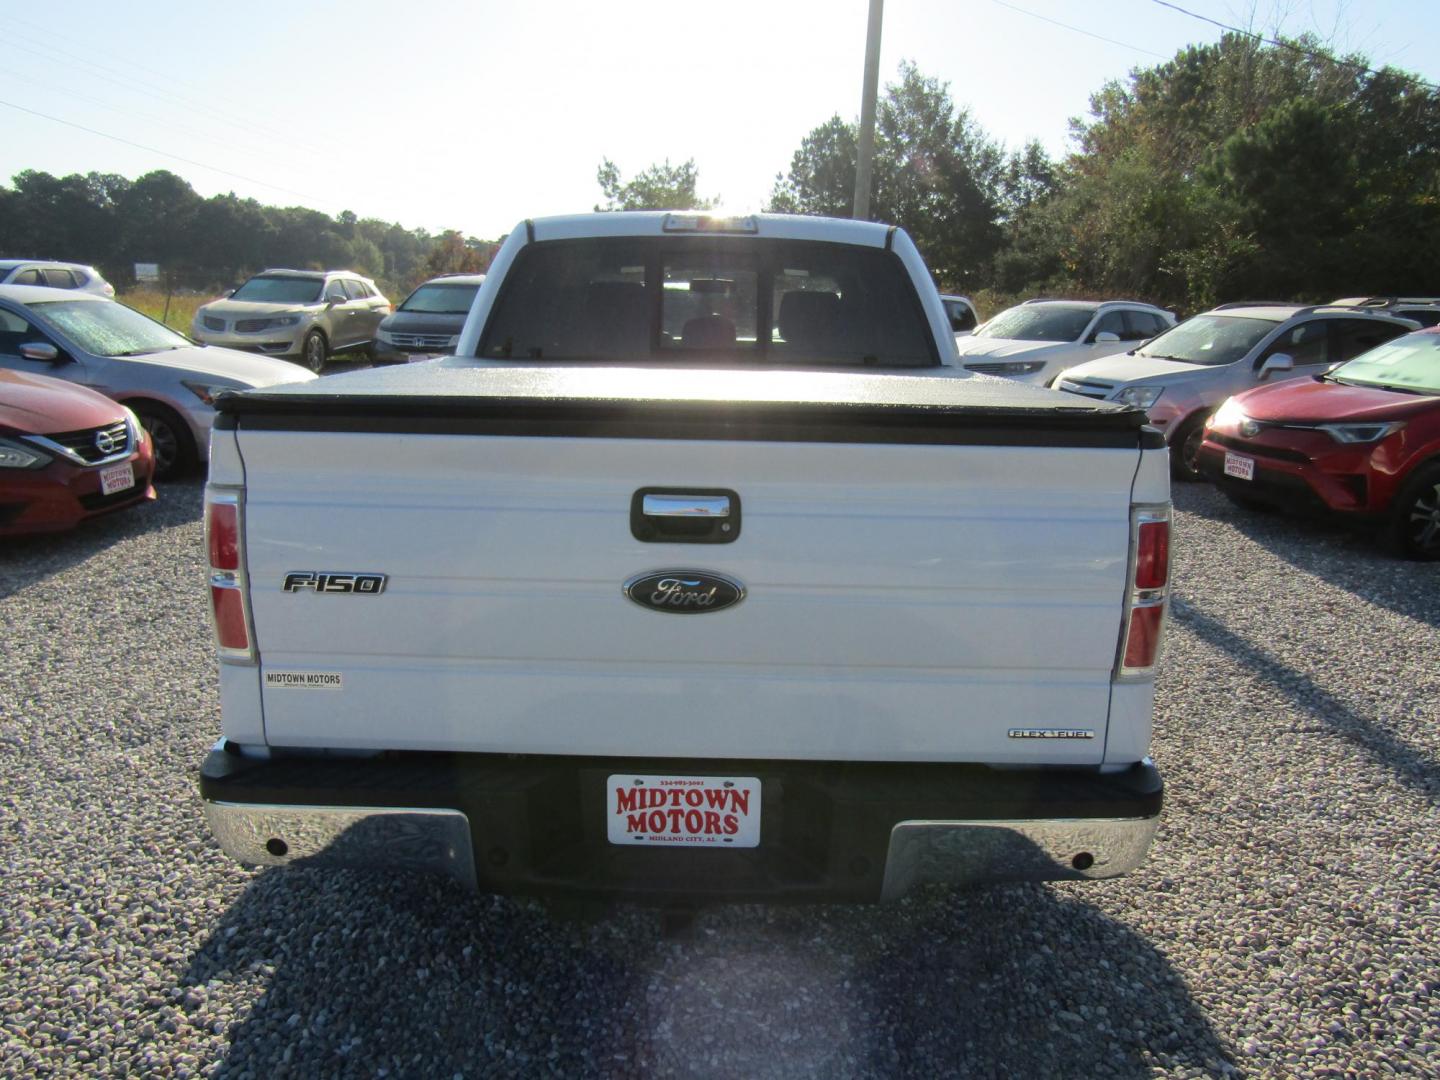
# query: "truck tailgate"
906 600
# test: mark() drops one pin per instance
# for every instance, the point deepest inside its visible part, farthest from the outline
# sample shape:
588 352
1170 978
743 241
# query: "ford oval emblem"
684 592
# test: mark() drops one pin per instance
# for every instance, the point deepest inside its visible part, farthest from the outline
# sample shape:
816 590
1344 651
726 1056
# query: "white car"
1035 341
54 275
167 380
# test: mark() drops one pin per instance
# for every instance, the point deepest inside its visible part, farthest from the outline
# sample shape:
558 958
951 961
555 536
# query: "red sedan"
66 454
1362 441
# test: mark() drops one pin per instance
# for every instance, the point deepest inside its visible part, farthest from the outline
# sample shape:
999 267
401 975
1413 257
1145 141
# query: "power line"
129 79
162 153
1078 30
131 114
1281 43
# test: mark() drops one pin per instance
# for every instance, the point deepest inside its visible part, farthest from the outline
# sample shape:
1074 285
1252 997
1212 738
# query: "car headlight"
1140 397
1229 415
16 455
206 392
133 426
454 342
384 336
287 320
1361 433
1005 367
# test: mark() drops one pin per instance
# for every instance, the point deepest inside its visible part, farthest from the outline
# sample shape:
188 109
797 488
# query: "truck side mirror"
1276 362
42 351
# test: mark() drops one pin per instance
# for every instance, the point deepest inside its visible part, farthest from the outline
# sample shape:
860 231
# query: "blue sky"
473 114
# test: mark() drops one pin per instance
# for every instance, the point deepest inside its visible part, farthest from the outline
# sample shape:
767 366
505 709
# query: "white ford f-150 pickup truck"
700 572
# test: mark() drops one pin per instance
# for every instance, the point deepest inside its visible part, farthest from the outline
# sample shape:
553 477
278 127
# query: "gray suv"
1186 373
301 315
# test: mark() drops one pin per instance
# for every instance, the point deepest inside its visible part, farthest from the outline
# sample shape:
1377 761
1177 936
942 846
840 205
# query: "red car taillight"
229 602
1148 595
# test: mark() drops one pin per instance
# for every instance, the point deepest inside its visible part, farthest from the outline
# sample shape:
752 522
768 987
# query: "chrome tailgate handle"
685 505
685 515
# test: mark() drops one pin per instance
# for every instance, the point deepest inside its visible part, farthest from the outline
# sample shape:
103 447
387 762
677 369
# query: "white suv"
1038 339
54 275
1185 374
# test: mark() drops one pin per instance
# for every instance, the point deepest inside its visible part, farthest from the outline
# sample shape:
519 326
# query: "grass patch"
152 302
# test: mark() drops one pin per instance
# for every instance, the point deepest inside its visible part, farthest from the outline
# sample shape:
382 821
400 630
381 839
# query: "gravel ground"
1287 923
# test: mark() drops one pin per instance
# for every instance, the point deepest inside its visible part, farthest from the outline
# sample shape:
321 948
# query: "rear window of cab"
699 300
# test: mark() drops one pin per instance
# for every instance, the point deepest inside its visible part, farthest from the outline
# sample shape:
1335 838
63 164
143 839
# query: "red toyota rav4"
1362 440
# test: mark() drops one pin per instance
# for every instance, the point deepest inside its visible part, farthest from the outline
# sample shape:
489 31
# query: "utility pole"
866 157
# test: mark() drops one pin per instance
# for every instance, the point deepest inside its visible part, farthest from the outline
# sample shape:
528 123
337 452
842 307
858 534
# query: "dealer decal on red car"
696 811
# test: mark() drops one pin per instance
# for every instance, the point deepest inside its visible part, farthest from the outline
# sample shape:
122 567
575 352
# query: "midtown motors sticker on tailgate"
695 811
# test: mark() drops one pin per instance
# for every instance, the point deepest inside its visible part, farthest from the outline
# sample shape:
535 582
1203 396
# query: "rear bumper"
859 832
393 354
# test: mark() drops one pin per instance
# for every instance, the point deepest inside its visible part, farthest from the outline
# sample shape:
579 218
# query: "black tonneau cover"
594 401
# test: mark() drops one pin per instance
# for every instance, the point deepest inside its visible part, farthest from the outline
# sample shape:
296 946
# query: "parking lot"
1287 922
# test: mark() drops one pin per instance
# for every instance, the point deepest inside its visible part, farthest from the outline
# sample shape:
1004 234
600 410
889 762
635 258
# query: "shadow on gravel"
1350 558
354 973
26 560
1414 768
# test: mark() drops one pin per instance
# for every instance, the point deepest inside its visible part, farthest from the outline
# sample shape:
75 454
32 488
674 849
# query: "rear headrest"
809 320
617 316
708 332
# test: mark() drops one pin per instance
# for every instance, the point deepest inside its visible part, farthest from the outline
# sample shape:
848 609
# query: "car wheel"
315 351
1415 515
170 435
1185 449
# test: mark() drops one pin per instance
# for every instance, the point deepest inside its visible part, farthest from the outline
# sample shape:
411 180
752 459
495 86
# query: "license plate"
117 478
1240 466
683 811
416 357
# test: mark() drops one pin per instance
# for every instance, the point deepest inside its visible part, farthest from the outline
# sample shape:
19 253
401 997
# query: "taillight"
229 602
1148 594
222 535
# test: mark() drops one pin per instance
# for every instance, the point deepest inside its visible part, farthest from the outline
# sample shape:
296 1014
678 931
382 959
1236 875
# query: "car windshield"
441 299
1208 339
280 290
1032 322
105 328
1409 363
690 300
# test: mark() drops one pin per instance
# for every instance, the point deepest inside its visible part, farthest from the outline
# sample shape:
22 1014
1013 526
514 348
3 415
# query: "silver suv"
1034 341
301 315
1184 375
1425 310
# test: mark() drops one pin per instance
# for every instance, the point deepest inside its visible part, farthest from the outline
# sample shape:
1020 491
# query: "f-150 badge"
330 581
684 592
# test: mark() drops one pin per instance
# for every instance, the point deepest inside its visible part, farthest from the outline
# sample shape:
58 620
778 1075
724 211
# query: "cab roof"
653 223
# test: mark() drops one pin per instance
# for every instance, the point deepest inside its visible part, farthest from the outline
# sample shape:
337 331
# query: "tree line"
1235 170
112 223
